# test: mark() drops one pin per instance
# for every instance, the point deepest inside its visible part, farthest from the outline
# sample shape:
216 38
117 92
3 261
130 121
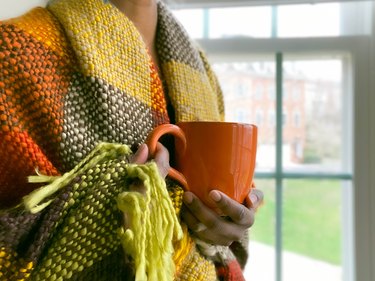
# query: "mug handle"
153 139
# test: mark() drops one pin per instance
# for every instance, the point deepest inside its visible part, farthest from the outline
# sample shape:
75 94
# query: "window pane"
308 20
244 21
261 263
301 20
249 97
314 134
312 230
316 20
192 20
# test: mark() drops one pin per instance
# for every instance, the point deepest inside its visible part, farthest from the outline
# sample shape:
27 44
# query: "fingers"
205 233
162 159
237 212
207 224
256 197
191 221
210 227
141 155
202 212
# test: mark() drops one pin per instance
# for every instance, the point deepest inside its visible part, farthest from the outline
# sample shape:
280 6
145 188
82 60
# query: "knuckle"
196 206
213 224
237 236
243 214
224 203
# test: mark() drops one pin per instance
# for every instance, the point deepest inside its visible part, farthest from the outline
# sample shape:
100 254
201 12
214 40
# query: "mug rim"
218 122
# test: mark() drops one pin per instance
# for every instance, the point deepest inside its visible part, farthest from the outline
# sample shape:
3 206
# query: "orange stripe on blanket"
231 272
34 23
158 98
33 83
24 157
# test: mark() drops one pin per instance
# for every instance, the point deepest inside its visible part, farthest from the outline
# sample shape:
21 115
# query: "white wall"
13 8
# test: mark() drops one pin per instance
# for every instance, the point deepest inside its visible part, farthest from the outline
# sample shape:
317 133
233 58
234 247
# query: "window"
284 118
304 22
325 139
258 91
194 27
271 92
246 21
258 117
296 119
271 118
242 88
240 115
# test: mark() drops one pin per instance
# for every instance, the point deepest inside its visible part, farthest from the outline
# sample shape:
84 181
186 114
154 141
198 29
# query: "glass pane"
261 262
249 97
314 134
332 19
239 22
301 20
192 20
306 20
312 230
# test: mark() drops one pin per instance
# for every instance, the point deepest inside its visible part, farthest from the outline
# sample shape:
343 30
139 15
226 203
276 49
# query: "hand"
213 228
141 156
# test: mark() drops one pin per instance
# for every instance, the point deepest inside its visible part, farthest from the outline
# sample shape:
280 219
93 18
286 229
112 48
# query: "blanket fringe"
32 201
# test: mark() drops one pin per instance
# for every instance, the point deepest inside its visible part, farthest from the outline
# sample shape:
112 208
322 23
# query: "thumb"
141 155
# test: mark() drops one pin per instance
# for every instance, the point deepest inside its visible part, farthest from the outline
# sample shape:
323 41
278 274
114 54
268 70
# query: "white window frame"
361 49
185 4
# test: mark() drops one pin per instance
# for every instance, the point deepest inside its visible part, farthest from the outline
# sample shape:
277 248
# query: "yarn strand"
153 225
102 151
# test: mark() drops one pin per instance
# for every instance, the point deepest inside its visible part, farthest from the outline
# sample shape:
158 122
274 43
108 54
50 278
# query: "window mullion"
279 168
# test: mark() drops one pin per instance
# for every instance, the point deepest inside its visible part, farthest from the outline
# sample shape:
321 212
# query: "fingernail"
188 197
215 195
253 198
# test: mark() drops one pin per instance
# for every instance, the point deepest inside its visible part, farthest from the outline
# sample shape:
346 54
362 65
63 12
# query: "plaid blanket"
74 75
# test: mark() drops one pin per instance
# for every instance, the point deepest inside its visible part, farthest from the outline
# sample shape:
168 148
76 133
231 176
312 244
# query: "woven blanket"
72 76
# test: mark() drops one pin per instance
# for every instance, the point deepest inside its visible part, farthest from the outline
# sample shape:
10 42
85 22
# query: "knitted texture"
79 231
72 76
149 237
153 225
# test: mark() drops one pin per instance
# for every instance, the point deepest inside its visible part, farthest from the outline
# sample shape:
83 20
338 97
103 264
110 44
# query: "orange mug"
211 155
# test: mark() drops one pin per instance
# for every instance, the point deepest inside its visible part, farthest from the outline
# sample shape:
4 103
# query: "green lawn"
311 218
